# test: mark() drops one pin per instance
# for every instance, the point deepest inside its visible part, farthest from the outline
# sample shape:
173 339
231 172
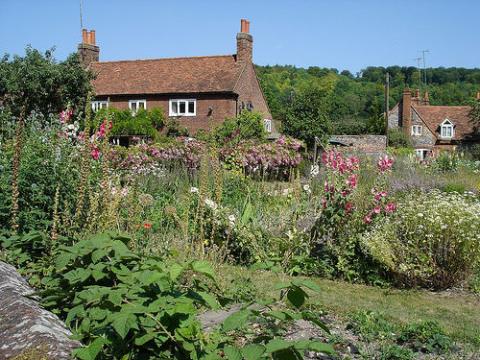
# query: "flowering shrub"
380 203
432 240
154 159
255 158
341 181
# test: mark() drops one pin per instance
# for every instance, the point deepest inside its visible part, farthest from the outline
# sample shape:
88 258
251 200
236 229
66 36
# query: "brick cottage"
433 128
200 92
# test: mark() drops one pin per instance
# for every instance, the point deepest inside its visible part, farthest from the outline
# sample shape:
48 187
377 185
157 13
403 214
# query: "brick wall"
367 144
248 90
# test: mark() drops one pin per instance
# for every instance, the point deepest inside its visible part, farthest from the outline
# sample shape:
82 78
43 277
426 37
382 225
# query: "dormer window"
182 107
135 105
446 129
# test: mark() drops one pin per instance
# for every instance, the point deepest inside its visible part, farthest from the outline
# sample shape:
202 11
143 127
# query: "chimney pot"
244 26
92 37
84 36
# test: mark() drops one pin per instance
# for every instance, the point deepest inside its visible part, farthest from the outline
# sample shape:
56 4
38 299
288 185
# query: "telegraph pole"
81 15
387 100
418 59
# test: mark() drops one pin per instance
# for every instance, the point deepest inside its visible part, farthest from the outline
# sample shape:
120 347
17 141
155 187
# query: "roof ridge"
169 58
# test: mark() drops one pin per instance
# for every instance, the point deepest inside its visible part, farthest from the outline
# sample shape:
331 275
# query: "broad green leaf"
120 249
209 299
236 320
253 351
77 275
145 338
296 296
318 346
203 267
232 353
91 351
278 344
175 271
123 322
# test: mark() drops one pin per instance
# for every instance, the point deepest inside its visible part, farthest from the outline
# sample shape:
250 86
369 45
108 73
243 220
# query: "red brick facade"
221 85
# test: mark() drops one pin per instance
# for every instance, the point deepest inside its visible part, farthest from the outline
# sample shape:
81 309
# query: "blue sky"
344 34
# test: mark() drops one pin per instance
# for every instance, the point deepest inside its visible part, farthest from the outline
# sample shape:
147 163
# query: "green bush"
395 352
144 122
431 241
398 139
122 305
454 187
426 336
446 162
247 125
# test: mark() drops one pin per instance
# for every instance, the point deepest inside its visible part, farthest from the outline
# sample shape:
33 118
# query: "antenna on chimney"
424 67
81 16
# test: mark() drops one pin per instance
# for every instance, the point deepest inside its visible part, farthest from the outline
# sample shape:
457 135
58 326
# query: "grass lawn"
457 313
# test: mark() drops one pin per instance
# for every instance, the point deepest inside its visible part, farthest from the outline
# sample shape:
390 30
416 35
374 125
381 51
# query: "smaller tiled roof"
434 116
166 76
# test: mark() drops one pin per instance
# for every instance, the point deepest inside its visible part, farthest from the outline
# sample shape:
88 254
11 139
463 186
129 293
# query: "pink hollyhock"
348 207
352 181
385 164
66 115
367 219
379 195
390 208
377 209
95 153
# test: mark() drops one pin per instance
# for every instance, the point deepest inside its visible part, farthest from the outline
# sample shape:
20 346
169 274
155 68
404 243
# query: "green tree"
306 115
36 82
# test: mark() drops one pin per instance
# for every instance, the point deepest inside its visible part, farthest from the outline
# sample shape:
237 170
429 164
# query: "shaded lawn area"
458 313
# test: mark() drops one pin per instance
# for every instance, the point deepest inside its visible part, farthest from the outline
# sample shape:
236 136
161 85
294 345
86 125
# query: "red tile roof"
167 76
434 116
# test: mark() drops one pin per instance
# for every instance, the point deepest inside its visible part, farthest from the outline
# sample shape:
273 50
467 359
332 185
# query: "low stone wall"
26 329
367 144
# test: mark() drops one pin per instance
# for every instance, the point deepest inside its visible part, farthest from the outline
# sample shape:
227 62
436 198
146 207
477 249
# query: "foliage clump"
432 241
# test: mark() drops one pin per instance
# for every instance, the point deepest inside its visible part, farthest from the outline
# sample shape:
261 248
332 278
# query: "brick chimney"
244 42
416 98
406 111
426 98
88 51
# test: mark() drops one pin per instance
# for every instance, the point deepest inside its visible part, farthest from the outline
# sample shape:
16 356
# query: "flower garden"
128 244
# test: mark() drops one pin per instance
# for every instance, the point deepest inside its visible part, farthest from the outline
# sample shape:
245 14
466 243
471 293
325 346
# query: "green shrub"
426 336
398 139
247 125
371 325
122 305
431 241
454 187
174 129
144 122
446 162
395 352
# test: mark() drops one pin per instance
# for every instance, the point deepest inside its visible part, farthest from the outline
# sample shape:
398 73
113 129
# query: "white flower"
231 218
306 188
124 192
194 190
314 170
211 204
114 190
285 192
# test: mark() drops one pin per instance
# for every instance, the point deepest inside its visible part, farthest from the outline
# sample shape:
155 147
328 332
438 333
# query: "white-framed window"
422 153
135 105
446 129
267 124
417 130
99 104
182 107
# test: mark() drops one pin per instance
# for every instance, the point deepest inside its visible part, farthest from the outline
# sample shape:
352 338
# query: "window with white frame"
422 153
182 107
416 130
446 129
267 124
135 105
99 104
